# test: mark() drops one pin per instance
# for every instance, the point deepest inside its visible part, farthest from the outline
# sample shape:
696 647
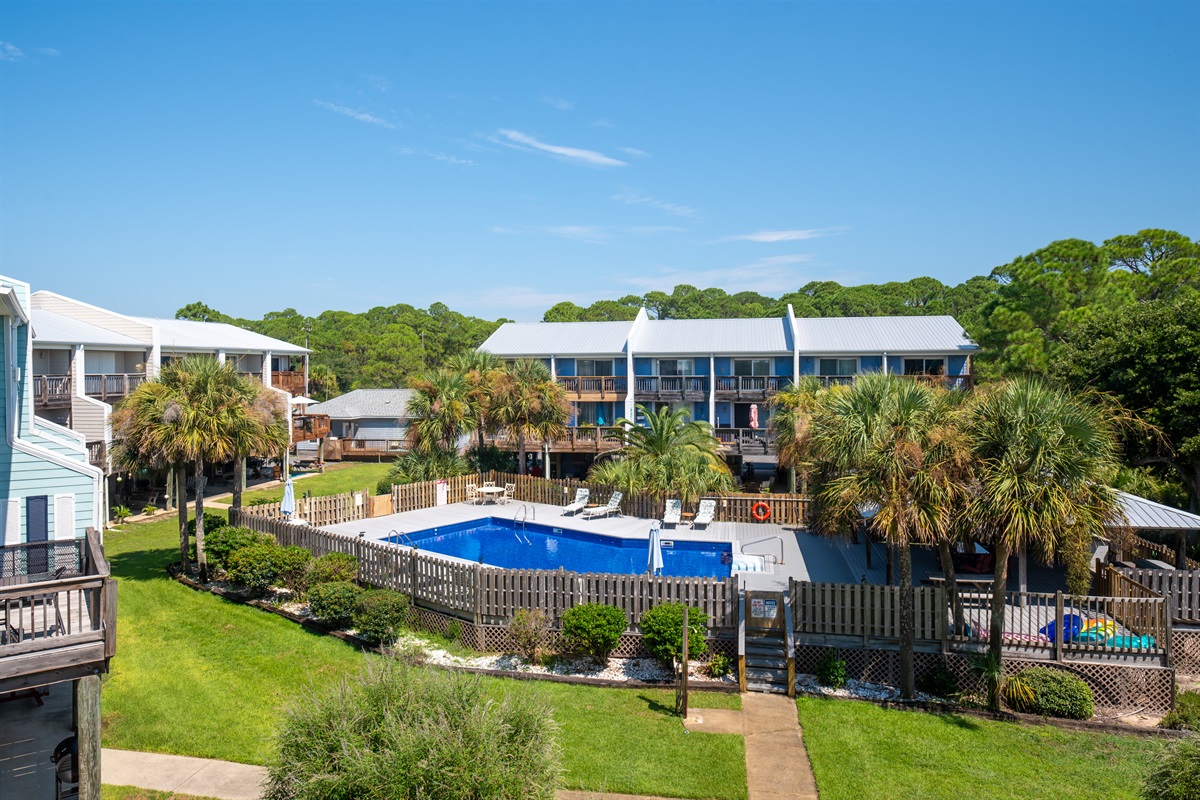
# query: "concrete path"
777 766
205 777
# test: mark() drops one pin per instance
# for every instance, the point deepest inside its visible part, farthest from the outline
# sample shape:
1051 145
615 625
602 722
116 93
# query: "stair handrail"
403 535
744 545
790 630
741 640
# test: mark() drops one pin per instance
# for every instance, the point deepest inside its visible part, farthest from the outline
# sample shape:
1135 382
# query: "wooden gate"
764 613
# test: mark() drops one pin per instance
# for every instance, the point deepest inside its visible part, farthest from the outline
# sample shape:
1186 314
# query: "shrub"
211 523
719 666
490 458
594 629
831 670
662 632
291 567
121 513
939 681
526 630
335 602
261 501
1058 694
221 543
1186 716
454 630
381 615
384 486
1176 774
332 567
410 652
254 567
149 508
397 731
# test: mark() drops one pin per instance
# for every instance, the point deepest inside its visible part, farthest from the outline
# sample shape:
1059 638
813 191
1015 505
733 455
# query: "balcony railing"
111 387
291 382
681 386
582 439
52 390
750 385
58 611
944 381
98 454
749 441
306 427
598 386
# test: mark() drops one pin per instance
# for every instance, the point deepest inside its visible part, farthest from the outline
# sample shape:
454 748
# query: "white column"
306 375
221 357
266 369
712 389
554 368
78 370
630 383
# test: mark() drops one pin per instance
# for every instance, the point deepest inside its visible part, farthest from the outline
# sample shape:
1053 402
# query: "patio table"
491 493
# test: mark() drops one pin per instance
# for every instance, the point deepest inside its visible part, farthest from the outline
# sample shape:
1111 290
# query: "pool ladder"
401 535
522 516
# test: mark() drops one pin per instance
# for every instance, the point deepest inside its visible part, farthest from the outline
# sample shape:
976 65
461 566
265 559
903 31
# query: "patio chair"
580 502
704 515
673 512
472 494
613 507
509 490
489 483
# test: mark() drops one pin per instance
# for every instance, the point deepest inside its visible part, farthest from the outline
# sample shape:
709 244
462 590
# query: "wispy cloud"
352 113
435 155
636 199
781 236
378 82
47 51
633 151
10 52
562 104
590 234
603 123
523 141
770 275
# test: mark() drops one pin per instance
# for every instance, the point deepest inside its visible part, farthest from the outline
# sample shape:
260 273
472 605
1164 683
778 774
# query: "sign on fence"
441 492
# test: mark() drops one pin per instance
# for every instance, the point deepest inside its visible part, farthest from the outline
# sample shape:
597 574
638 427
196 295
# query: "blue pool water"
498 543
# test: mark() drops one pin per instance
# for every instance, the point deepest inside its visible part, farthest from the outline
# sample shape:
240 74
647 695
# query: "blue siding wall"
896 365
724 414
724 365
565 367
643 366
783 365
701 366
957 365
870 363
620 367
700 413
807 365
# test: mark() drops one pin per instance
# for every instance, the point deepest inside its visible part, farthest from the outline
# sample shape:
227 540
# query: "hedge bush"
332 567
211 523
381 615
254 567
526 630
1186 716
335 602
831 670
662 631
1176 773
1058 694
221 543
291 567
594 629
397 731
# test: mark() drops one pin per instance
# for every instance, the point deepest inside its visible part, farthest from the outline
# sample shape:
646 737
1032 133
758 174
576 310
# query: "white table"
491 493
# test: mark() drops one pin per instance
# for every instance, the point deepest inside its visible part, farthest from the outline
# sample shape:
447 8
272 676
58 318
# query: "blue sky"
501 157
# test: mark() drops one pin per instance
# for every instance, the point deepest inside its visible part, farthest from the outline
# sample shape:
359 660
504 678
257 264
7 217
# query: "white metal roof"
51 328
555 338
186 334
366 404
882 335
769 335
1145 514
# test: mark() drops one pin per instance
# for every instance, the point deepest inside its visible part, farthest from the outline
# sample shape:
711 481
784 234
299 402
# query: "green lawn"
860 750
336 479
197 675
132 793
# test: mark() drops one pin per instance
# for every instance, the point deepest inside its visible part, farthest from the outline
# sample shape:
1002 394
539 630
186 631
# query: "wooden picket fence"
785 509
1180 587
325 510
865 611
490 595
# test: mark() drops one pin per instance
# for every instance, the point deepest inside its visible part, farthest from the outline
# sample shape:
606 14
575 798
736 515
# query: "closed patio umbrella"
288 505
754 416
655 563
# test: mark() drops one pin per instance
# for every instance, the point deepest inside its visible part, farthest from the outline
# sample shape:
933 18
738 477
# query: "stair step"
767 674
767 688
778 662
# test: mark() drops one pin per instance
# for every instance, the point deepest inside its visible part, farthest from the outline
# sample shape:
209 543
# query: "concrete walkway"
205 777
777 765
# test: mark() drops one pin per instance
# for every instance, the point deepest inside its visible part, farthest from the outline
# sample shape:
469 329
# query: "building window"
751 367
676 366
590 368
833 367
924 366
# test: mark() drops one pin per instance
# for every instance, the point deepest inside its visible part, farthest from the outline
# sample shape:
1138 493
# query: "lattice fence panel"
1186 653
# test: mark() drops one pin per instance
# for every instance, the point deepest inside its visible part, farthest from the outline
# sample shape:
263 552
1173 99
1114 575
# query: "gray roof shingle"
366 404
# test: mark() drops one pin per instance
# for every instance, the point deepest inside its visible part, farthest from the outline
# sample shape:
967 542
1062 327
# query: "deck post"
87 733
741 640
1023 572
1058 626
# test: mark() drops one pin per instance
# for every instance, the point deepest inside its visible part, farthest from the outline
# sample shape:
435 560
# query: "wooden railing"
111 387
786 509
290 381
489 595
98 453
746 440
1181 588
944 381
756 385
306 427
865 611
363 448
51 390
58 607
674 385
601 386
1137 547
324 510
582 438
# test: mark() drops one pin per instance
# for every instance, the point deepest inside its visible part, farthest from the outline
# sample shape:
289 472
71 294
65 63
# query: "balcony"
58 612
746 441
749 387
112 388
98 454
290 382
963 382
595 388
671 387
581 439
52 391
306 427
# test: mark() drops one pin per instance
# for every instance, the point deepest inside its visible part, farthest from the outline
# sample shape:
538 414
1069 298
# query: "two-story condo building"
57 600
722 371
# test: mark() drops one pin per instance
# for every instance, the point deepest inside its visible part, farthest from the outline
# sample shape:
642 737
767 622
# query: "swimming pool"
503 543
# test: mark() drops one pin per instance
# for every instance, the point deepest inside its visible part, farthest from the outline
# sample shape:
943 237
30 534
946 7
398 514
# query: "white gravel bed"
862 690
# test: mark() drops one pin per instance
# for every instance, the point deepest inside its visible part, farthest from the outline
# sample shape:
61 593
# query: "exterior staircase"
766 649
767 663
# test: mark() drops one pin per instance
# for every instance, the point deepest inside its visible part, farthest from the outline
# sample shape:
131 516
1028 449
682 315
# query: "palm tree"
669 455
1040 459
481 370
441 408
529 404
793 411
321 378
262 431
890 444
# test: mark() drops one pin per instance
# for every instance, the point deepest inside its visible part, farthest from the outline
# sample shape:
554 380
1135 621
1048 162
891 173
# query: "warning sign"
763 609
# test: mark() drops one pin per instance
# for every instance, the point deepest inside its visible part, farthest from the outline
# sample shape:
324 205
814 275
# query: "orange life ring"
760 511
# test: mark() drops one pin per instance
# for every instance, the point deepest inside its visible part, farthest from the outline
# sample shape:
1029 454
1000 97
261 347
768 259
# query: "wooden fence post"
1058 626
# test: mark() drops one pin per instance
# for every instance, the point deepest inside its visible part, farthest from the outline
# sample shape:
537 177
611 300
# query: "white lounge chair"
704 515
613 507
472 494
673 512
509 490
580 502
